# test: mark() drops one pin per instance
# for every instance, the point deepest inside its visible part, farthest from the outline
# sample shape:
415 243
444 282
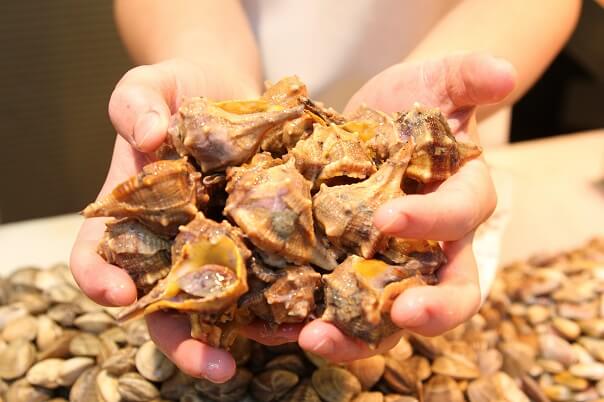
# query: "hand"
456 84
140 107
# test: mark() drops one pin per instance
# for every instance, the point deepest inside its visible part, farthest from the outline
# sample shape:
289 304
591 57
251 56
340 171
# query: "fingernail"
214 370
324 347
145 126
387 220
414 319
114 294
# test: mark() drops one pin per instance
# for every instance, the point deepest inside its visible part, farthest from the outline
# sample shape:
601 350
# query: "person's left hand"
456 84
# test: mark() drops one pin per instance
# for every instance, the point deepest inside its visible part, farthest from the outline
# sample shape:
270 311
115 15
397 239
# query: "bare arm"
529 34
213 34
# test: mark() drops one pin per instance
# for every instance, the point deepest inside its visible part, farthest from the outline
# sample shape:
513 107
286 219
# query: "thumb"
139 106
471 79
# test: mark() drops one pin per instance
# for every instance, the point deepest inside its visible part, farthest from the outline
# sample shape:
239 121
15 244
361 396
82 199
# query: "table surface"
554 189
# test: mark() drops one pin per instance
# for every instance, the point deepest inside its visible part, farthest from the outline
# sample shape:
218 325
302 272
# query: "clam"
442 388
335 384
208 274
163 196
132 246
345 212
222 134
271 385
273 207
359 294
332 155
438 154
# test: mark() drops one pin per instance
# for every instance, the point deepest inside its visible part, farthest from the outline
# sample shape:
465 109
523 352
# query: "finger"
432 310
139 106
474 79
172 334
263 333
327 341
104 283
456 208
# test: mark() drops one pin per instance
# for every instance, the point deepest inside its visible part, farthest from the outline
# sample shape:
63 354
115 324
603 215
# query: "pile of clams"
262 210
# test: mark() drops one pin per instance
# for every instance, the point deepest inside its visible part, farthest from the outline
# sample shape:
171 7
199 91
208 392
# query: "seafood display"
262 209
538 337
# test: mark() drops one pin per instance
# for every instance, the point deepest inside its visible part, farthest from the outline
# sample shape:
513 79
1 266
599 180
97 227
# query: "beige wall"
59 61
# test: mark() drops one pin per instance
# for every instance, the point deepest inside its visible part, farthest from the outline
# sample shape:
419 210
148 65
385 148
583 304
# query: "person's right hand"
140 108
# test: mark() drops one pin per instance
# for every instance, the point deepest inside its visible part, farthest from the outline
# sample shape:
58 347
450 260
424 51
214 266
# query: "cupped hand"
457 84
140 107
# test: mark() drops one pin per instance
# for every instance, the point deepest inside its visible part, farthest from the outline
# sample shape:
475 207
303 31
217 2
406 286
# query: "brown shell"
163 196
426 256
377 130
345 213
320 113
222 134
130 245
208 272
437 153
331 154
286 93
291 298
273 207
359 294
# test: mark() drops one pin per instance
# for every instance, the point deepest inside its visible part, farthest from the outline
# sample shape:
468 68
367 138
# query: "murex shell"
264 211
208 273
360 292
163 196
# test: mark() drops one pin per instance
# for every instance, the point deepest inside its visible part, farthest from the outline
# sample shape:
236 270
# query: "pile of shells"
262 210
537 338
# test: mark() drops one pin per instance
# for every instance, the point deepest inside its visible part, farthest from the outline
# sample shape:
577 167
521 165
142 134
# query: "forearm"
529 34
213 34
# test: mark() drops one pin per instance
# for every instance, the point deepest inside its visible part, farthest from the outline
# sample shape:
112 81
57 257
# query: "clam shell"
272 384
335 384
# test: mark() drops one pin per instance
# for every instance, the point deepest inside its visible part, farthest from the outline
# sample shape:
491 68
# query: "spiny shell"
133 247
335 384
377 130
286 93
426 256
273 207
437 153
359 294
208 274
345 213
222 134
332 154
291 298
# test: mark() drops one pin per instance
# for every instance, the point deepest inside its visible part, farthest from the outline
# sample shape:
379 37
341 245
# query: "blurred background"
60 62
